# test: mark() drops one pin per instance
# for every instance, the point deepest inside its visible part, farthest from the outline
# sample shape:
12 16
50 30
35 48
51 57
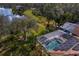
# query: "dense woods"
19 36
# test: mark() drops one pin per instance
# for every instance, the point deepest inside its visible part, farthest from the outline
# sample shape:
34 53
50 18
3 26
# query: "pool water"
52 45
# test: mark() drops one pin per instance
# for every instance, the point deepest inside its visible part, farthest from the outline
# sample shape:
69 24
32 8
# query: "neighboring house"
8 14
71 27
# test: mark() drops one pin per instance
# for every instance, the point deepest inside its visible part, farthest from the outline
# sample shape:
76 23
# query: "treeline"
59 12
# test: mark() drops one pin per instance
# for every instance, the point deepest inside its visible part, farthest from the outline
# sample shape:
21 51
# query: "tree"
59 12
22 26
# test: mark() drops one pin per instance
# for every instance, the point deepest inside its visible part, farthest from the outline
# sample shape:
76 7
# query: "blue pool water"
52 45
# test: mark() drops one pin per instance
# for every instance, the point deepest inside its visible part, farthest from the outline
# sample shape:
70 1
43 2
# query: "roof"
6 12
68 26
71 27
19 7
52 40
56 33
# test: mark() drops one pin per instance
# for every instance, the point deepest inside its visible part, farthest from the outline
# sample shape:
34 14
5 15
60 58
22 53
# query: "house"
71 27
61 42
52 40
8 14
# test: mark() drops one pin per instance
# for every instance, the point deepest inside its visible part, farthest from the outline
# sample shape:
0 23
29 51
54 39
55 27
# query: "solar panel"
76 47
67 45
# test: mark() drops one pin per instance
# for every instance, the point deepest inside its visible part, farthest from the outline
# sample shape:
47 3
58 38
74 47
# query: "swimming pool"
53 44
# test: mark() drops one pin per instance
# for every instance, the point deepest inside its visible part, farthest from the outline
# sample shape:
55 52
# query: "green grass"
29 14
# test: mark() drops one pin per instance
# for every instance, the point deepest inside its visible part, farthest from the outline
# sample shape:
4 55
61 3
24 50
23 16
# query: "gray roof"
69 26
6 12
56 33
